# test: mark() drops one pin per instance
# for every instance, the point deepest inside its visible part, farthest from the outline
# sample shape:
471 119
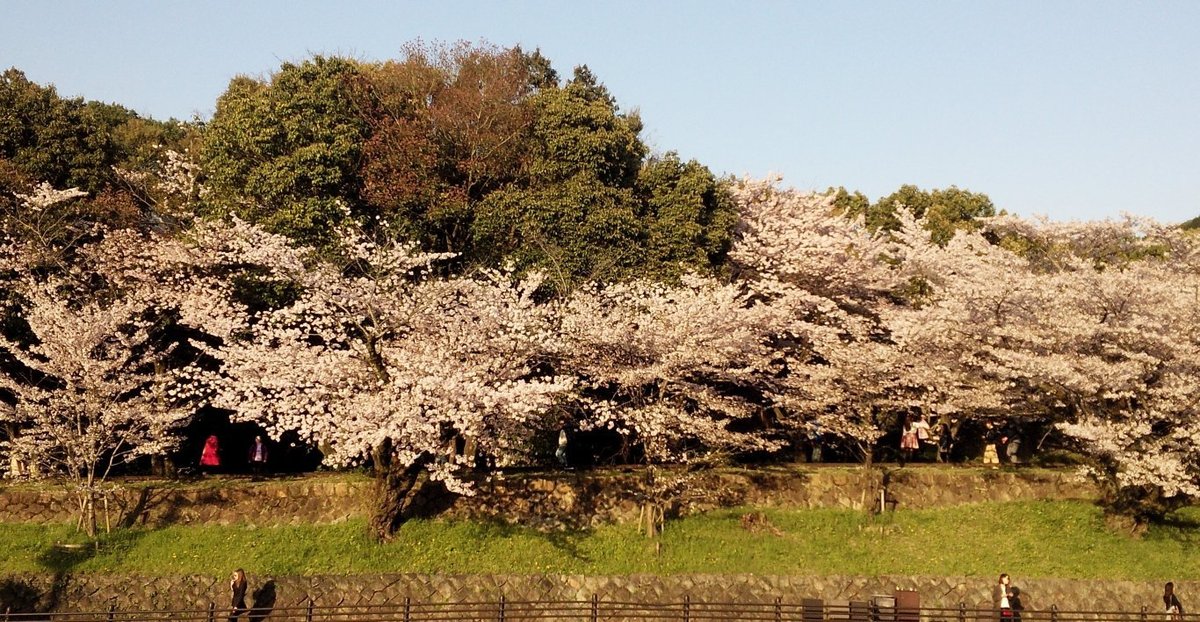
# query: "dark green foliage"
70 142
576 229
595 207
689 213
285 153
260 293
578 130
945 211
851 205
471 149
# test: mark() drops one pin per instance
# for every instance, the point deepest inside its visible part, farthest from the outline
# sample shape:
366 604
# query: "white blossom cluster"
821 323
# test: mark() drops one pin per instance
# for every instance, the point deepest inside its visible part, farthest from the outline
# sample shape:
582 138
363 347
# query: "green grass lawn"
1032 539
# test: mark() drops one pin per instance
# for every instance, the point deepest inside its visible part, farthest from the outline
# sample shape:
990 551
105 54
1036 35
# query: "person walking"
258 456
237 587
210 458
1171 602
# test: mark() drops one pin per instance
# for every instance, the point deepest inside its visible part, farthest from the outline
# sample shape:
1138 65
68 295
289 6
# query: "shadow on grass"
1177 527
60 560
66 558
565 539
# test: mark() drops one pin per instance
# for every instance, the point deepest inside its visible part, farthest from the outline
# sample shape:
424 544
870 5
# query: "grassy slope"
1059 539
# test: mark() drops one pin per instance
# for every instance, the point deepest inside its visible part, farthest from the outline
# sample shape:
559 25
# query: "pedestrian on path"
237 587
1000 598
210 458
1171 602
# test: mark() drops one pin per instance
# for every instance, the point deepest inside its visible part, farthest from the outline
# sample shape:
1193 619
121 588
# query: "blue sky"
1074 110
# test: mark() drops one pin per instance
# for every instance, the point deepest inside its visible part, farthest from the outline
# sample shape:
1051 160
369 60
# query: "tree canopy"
475 150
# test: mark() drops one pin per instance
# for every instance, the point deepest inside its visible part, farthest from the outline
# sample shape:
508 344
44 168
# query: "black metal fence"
597 610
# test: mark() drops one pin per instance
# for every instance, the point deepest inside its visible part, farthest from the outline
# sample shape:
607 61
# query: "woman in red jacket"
210 460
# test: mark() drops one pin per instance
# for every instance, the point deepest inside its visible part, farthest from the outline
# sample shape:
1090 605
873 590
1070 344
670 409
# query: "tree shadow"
147 499
1177 528
61 560
23 598
66 558
566 539
263 602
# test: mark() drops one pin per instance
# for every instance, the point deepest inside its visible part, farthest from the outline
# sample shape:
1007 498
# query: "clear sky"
1070 109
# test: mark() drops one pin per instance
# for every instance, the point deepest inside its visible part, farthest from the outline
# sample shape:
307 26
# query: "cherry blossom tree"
678 370
95 380
376 358
1091 325
827 275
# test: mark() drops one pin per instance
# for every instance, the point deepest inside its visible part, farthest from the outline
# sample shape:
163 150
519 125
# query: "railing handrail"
597 608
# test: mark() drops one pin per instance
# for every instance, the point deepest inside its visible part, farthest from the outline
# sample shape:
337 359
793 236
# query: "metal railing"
597 610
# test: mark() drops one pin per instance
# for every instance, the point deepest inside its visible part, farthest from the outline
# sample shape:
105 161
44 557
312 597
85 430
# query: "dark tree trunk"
396 485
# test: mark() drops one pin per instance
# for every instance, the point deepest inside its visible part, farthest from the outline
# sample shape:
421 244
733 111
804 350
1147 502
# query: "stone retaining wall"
133 593
573 499
280 502
554 500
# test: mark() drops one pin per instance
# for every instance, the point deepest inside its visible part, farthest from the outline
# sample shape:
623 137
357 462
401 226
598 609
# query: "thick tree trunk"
871 484
396 485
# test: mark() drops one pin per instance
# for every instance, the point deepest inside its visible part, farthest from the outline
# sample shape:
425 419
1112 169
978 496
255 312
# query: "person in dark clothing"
1171 602
258 456
237 585
1011 439
1014 603
945 441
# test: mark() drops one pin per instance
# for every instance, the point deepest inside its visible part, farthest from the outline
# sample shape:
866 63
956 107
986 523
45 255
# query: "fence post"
1143 613
1053 613
308 614
962 611
778 609
112 610
407 609
687 608
212 611
501 618
595 607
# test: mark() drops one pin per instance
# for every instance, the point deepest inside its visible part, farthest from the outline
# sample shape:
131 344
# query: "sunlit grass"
1034 539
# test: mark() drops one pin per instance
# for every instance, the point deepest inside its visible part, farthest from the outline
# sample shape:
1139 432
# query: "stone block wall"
278 502
557 500
279 596
588 499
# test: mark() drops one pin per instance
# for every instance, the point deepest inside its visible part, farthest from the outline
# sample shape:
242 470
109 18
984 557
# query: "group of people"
1000 440
1006 598
210 456
915 433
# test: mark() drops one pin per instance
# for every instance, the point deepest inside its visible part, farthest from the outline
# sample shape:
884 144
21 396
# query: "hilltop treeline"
481 151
